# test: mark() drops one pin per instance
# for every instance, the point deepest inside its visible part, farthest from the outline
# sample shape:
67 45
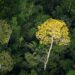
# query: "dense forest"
21 53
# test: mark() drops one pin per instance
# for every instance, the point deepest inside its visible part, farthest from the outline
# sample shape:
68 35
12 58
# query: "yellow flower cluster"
53 28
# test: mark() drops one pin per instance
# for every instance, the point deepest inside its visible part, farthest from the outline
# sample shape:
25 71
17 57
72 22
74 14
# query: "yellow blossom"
53 28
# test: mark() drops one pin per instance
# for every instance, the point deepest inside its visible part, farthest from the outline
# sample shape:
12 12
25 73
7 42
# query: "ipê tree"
53 31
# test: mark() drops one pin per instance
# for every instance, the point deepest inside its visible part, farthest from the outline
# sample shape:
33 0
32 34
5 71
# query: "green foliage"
31 59
33 72
23 72
66 64
31 32
63 7
72 46
40 18
59 49
5 32
6 61
15 28
71 72
6 7
28 9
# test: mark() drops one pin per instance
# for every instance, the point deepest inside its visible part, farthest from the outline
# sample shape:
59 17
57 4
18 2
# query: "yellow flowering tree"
53 31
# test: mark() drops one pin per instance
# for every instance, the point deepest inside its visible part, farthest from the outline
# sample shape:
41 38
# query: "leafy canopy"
5 32
53 28
6 61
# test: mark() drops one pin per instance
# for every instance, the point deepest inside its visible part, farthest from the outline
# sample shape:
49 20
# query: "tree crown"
53 28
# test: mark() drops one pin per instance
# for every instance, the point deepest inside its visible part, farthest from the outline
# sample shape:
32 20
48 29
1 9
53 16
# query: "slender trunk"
48 54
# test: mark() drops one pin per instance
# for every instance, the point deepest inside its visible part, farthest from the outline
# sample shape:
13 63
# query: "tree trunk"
48 54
